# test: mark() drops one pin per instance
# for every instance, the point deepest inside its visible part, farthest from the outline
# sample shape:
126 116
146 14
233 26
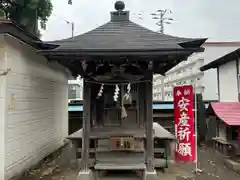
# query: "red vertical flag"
184 123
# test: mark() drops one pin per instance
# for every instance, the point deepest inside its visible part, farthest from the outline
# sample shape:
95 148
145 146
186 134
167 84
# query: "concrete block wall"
36 113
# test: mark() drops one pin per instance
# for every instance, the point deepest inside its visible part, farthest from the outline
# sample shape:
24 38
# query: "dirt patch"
56 166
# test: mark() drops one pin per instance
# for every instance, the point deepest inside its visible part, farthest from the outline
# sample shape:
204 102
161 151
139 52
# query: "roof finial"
119 6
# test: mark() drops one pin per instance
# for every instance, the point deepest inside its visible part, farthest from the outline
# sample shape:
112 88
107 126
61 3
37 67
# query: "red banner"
184 123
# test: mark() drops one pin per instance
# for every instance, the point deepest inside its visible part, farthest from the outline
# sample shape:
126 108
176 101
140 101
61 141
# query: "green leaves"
44 11
27 12
2 13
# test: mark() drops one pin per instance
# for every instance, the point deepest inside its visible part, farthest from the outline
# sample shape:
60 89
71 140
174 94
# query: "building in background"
75 89
158 87
223 116
185 73
228 68
188 72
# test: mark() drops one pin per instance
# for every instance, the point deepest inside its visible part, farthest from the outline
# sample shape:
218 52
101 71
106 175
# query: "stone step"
105 166
120 175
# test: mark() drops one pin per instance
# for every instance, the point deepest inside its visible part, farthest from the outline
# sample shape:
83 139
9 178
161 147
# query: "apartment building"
187 72
75 89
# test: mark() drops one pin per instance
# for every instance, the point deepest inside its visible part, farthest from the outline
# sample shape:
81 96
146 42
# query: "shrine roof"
228 112
123 35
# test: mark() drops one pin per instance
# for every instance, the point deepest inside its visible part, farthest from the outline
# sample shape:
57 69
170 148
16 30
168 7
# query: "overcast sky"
217 20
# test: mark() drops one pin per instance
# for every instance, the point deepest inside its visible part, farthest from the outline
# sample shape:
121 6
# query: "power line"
162 18
139 15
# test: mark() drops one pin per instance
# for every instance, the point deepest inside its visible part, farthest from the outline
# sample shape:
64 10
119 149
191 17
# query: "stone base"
185 178
233 165
150 175
85 175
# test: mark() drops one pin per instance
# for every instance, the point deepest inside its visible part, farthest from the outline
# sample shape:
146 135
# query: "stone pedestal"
150 175
85 175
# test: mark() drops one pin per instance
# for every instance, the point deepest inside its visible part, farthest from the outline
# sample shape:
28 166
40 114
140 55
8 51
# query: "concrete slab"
85 175
233 165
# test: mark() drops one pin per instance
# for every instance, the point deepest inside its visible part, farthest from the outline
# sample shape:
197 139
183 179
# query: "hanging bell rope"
123 111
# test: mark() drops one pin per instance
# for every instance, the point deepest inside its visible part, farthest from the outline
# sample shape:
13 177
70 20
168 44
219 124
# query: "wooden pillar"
74 161
141 104
149 127
86 126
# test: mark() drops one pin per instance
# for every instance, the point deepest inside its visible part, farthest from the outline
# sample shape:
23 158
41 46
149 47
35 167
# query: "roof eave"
109 52
194 43
46 46
222 60
11 28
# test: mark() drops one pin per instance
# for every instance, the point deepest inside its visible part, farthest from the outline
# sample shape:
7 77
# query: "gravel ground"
211 164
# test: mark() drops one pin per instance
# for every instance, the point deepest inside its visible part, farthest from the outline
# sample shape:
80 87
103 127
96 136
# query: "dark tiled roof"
121 35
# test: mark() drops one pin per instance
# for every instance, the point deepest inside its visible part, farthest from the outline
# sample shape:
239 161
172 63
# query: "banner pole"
197 170
195 125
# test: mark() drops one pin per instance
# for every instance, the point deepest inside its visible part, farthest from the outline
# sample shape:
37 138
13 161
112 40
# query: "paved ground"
211 164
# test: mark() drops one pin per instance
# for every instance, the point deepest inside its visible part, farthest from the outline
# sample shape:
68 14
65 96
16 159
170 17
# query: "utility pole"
161 17
68 22
72 25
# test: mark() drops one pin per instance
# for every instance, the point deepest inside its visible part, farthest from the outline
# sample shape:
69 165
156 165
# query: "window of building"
72 87
178 83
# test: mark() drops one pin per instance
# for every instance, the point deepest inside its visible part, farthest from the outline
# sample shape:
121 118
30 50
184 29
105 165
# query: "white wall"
2 106
37 122
228 82
222 131
209 80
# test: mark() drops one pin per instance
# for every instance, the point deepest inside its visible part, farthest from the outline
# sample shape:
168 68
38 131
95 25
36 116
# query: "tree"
27 13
